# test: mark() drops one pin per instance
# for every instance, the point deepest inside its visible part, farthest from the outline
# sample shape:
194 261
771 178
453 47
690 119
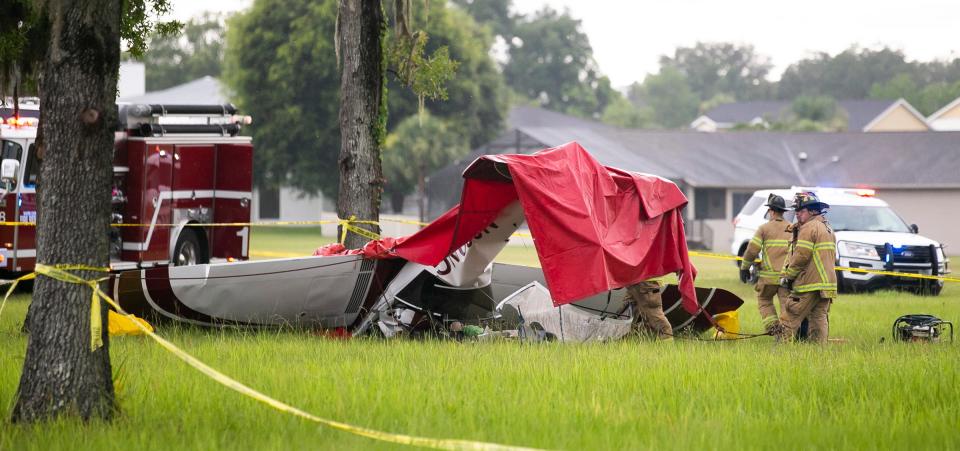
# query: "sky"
628 36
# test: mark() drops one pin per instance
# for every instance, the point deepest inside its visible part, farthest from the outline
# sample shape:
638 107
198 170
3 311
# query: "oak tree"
72 49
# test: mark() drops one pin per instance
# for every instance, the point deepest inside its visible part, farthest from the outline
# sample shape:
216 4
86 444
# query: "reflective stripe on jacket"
771 243
812 259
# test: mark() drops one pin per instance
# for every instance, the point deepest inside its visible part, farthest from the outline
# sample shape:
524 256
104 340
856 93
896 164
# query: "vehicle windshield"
751 206
866 219
10 150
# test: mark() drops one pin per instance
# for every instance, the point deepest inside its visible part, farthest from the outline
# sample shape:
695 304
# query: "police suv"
870 235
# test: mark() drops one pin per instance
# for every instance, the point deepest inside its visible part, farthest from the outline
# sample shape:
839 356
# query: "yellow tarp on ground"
118 324
729 321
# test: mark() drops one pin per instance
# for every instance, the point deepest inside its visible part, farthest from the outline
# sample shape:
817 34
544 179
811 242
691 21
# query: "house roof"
744 112
202 91
745 160
552 128
859 112
756 159
954 104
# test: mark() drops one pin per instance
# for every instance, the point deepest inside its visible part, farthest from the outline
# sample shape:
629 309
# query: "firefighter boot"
649 305
807 305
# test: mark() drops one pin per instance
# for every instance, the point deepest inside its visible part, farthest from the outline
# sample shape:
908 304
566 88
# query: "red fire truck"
174 165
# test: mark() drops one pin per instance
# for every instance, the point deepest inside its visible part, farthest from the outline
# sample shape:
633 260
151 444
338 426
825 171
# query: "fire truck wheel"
188 250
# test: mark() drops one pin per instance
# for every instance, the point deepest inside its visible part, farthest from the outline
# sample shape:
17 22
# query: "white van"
869 235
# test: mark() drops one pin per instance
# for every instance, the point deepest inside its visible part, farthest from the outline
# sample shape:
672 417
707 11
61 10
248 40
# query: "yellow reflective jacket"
812 259
771 243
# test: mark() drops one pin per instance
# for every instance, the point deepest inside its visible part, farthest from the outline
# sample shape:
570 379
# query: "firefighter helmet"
809 200
776 202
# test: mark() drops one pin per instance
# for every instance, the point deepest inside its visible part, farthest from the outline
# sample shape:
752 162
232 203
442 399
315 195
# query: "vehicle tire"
743 250
842 284
116 244
930 288
188 250
846 286
936 289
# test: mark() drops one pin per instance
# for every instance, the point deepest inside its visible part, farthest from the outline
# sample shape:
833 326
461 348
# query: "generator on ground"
914 328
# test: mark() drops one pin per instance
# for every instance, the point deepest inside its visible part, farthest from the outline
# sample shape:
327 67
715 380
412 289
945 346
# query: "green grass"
270 242
750 394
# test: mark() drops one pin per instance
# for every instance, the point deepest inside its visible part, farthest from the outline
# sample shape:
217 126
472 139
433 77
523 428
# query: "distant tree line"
280 65
198 51
695 79
701 77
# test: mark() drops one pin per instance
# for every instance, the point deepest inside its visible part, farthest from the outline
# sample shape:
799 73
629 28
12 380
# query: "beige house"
865 115
918 173
900 116
947 118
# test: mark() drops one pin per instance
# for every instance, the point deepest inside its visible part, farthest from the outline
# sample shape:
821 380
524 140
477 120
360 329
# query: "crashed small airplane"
596 229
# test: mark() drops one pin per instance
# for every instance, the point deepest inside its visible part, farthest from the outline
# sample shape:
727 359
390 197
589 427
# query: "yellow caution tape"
96 321
405 221
898 274
274 254
232 224
217 224
718 256
60 273
242 224
348 225
13 286
839 268
17 223
247 224
374 236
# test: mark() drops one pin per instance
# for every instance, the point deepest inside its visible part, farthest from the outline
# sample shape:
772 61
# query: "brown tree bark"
78 113
360 29
422 191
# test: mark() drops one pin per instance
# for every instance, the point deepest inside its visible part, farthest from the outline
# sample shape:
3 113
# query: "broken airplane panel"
596 229
352 292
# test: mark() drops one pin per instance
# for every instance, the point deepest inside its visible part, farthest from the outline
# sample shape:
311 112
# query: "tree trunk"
78 89
360 29
422 192
396 201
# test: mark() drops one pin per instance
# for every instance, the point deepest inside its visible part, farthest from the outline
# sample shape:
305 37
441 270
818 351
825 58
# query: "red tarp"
595 228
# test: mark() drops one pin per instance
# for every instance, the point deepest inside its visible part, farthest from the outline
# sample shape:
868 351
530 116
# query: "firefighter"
809 273
770 243
648 309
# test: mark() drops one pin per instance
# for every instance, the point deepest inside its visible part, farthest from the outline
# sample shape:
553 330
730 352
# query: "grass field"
750 394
